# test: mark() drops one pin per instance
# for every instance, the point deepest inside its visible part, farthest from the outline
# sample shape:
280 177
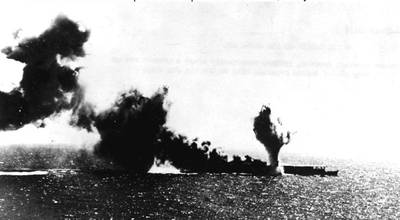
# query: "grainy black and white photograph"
199 109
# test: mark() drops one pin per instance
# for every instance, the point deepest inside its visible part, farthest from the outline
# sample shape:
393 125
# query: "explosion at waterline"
267 134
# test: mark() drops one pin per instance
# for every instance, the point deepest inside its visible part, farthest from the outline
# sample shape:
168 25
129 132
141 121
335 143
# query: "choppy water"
359 192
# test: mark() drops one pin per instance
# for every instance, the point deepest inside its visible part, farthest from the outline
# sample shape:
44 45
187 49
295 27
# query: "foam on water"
166 168
24 173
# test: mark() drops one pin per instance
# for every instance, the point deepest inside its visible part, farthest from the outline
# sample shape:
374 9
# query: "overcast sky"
328 69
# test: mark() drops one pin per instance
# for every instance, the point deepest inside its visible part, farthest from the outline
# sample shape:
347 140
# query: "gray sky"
328 69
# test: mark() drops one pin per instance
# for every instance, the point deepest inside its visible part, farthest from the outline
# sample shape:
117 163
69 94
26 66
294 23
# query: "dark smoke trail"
45 85
188 156
182 153
266 133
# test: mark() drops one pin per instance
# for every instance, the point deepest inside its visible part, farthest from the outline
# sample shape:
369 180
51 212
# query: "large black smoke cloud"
133 132
129 130
45 84
267 134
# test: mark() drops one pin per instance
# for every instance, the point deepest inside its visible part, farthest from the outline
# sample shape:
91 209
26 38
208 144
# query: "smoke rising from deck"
132 132
133 135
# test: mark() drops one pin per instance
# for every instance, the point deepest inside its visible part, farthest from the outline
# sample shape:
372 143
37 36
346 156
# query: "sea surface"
361 191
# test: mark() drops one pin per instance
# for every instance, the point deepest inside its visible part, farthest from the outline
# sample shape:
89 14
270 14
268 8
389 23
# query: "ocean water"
361 191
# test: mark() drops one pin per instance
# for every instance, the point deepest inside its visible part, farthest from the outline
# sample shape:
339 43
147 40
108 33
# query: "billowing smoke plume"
266 133
46 86
129 130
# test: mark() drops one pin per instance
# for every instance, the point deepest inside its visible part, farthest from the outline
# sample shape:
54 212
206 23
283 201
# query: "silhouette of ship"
309 170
